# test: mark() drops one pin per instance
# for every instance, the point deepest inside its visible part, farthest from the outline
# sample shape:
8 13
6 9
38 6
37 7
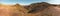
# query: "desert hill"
40 9
37 6
34 9
14 10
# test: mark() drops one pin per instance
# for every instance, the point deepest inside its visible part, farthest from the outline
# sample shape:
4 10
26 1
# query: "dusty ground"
21 11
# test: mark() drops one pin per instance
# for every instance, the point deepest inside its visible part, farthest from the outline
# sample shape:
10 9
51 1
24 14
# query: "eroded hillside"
34 9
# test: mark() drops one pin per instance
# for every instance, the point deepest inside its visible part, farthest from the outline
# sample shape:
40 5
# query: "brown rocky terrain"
13 10
34 9
41 9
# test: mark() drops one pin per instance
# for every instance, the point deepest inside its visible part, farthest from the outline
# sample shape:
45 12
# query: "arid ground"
34 9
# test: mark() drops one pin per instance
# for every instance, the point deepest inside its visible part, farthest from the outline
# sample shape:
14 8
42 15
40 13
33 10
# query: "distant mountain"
34 7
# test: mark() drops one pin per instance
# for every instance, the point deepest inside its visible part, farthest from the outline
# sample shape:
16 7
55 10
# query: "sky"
27 2
55 2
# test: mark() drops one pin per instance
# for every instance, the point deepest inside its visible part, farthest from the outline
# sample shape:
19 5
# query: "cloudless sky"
55 2
26 2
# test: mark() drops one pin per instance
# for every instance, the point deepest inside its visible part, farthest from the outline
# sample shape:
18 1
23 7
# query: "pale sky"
27 2
55 2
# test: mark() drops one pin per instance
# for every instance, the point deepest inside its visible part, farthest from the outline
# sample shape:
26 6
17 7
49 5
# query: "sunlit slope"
16 10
